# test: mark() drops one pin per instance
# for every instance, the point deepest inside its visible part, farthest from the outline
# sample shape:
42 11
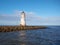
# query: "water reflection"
22 37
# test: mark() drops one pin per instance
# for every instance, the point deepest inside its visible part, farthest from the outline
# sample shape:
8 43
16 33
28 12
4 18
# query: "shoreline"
19 28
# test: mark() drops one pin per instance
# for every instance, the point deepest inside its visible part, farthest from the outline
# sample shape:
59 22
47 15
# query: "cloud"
31 19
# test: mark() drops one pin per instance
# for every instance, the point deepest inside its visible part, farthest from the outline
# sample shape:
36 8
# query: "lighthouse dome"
22 12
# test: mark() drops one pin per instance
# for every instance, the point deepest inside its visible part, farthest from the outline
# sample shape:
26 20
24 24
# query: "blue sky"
38 12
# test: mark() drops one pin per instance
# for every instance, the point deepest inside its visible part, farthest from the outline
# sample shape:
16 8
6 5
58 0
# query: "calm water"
49 36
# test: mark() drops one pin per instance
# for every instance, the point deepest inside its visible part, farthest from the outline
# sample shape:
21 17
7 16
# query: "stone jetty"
19 28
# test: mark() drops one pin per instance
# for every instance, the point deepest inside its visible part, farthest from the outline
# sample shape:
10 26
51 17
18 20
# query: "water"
49 36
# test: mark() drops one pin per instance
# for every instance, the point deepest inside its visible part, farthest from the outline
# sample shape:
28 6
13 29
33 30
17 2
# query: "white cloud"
31 19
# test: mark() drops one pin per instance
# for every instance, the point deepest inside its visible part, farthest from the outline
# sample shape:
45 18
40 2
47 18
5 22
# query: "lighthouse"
23 21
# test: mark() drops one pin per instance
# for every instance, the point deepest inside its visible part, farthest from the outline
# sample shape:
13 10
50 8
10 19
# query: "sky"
38 12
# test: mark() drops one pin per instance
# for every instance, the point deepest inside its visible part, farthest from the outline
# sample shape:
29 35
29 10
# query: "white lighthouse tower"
23 23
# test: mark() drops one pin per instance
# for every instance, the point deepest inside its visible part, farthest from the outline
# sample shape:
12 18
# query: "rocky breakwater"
18 28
